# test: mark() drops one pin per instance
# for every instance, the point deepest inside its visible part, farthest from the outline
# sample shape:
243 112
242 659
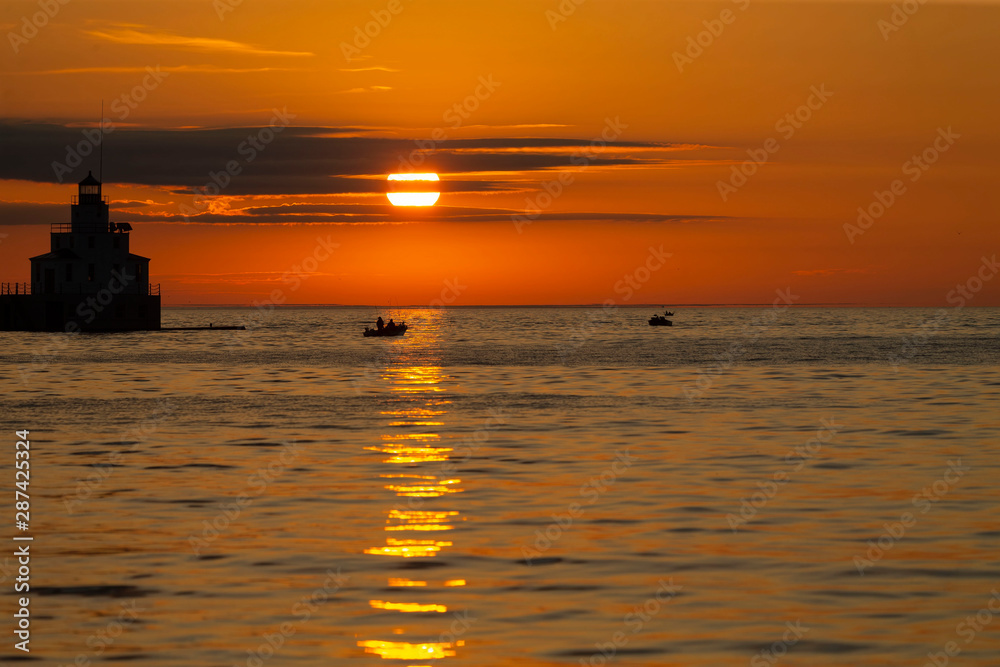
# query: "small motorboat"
394 330
660 321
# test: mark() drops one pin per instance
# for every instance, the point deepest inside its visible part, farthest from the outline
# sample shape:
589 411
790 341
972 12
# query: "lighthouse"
88 281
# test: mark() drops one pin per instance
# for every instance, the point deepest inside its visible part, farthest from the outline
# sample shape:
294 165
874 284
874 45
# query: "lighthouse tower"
88 281
90 254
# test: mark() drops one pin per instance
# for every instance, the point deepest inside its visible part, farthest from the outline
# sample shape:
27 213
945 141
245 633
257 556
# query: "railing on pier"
85 228
90 199
15 288
153 289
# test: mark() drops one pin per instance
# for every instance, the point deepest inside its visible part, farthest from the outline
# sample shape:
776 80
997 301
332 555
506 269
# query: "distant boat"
661 320
391 331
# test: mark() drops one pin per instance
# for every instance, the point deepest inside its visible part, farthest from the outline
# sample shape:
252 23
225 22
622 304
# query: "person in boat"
391 325
379 323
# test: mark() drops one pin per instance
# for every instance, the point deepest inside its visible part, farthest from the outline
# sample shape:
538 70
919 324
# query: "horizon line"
825 304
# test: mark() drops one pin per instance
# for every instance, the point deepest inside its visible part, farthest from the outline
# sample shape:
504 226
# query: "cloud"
369 69
827 272
292 178
299 160
190 69
131 35
241 278
369 89
23 213
28 213
305 213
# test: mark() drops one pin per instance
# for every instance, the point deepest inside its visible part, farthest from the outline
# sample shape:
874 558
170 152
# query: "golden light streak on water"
421 515
407 651
406 583
434 491
413 449
408 607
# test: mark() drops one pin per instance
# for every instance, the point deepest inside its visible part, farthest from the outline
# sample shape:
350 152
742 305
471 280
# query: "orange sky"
559 78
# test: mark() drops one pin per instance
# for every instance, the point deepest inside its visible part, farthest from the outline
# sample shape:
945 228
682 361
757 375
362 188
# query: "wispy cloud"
556 147
132 35
369 89
526 125
369 69
192 69
377 214
304 212
827 272
244 278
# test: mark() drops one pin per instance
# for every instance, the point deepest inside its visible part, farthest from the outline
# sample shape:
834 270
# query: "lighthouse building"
88 281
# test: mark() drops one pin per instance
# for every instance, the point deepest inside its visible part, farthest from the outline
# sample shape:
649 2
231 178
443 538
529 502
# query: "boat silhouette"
392 330
661 320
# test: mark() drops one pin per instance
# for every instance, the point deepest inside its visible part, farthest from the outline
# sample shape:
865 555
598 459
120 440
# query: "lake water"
753 486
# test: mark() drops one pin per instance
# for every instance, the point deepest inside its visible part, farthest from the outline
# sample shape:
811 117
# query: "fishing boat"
390 331
661 320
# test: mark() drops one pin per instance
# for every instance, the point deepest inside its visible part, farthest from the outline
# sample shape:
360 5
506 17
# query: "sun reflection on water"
407 651
414 451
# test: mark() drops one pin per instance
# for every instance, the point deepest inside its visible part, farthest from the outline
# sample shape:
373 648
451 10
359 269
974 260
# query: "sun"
413 198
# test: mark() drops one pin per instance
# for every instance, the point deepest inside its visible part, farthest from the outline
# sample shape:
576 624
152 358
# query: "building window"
69 272
90 241
90 272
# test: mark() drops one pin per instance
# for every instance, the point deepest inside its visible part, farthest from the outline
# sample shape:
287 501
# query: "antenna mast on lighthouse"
100 167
